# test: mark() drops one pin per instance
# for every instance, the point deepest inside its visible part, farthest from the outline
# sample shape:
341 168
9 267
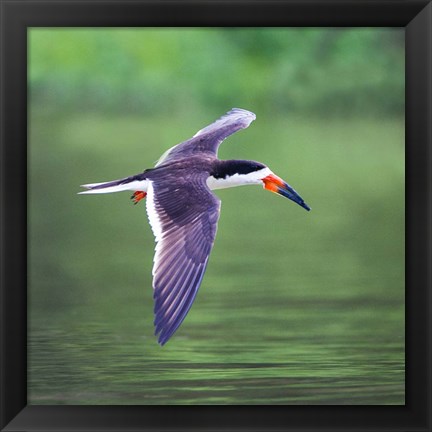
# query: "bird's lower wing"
184 221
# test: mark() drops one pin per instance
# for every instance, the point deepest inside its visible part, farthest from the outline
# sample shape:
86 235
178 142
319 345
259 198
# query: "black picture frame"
17 16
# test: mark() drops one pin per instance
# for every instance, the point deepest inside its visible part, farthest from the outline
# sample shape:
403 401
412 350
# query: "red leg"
138 196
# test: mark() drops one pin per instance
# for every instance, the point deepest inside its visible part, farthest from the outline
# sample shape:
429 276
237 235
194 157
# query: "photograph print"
160 269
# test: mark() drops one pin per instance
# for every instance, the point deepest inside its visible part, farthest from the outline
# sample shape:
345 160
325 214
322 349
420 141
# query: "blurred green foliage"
321 71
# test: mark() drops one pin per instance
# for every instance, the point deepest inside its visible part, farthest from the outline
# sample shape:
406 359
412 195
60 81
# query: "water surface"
295 307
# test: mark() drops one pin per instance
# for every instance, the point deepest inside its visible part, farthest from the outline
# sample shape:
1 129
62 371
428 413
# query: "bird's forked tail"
132 183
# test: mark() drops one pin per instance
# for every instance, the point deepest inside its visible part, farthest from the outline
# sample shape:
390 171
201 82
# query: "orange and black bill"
275 184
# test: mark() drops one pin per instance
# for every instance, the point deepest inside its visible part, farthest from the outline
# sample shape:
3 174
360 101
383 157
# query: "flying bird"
183 211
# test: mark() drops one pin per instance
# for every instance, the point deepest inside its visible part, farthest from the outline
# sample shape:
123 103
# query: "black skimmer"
183 211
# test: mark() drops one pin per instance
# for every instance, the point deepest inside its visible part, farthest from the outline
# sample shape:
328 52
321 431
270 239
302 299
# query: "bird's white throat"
254 177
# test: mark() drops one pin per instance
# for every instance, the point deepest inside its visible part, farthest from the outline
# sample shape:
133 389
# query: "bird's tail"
134 183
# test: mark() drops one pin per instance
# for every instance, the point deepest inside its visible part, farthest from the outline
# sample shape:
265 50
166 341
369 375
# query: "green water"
295 307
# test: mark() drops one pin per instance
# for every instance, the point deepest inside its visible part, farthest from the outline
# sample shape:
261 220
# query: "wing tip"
163 335
162 340
243 111
244 117
162 332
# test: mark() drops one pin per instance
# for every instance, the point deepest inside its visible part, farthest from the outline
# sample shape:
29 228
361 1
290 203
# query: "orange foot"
138 196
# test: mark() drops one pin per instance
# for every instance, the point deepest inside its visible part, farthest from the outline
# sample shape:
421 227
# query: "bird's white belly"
142 185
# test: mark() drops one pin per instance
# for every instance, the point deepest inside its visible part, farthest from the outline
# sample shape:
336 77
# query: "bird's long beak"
275 184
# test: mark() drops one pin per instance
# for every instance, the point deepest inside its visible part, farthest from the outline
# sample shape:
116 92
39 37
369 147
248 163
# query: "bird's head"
241 172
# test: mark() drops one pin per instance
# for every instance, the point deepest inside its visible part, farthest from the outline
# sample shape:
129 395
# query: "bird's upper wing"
209 138
183 217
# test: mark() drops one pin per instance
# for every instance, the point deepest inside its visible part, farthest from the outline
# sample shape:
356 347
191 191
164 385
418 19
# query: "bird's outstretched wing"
183 217
209 138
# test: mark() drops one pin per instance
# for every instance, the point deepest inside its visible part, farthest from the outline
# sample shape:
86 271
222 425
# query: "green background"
295 307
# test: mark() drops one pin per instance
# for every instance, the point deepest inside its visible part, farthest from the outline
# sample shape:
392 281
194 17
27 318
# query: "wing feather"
184 220
210 137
